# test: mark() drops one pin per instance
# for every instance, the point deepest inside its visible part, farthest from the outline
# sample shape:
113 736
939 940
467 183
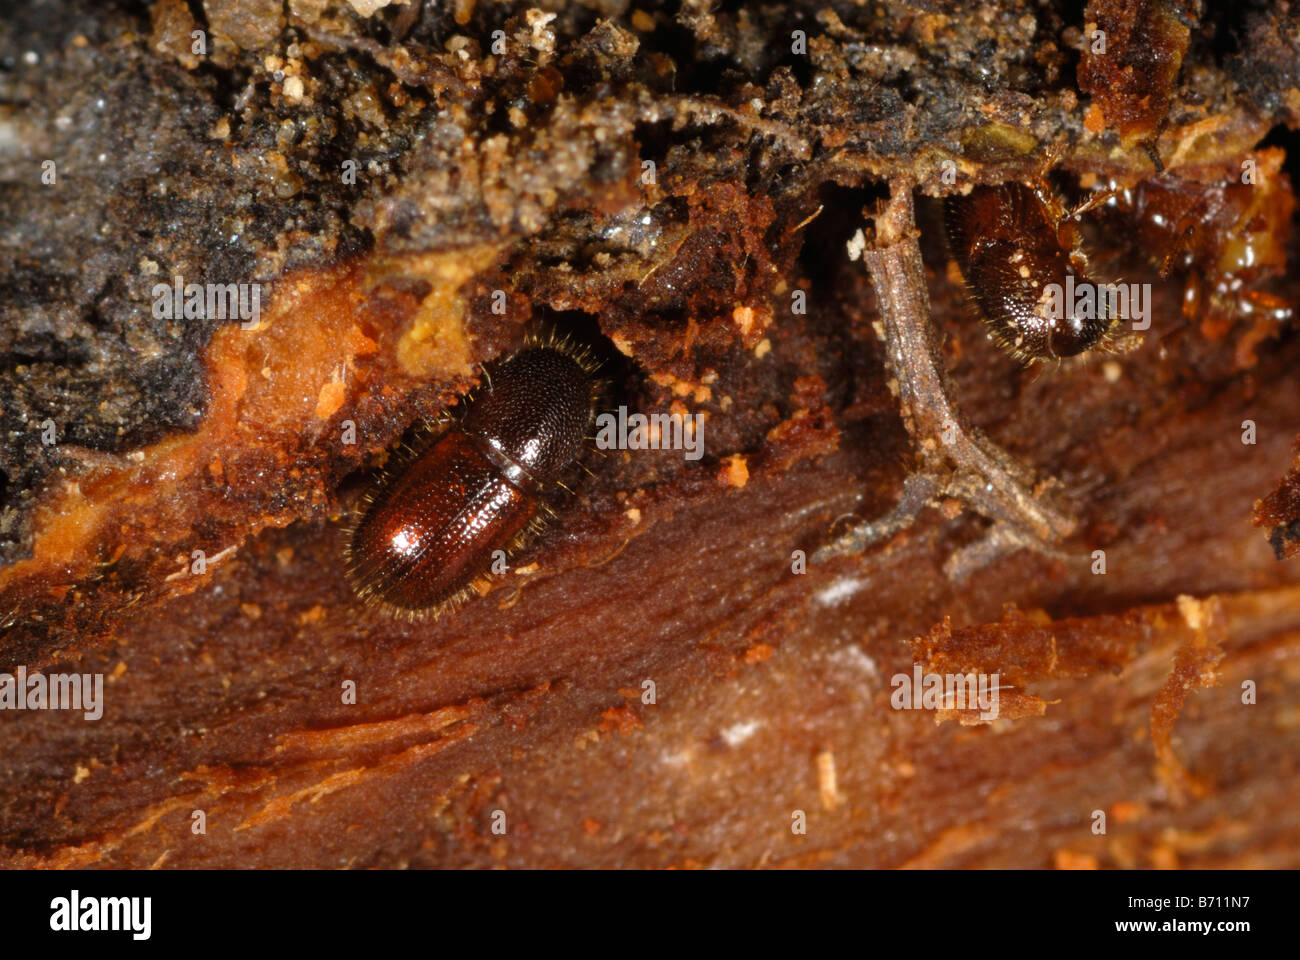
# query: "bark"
697 656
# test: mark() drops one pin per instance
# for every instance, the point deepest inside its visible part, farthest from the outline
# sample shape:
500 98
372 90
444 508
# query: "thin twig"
954 457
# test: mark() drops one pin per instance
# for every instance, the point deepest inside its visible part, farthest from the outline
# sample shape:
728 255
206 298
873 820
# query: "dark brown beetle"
433 524
1012 244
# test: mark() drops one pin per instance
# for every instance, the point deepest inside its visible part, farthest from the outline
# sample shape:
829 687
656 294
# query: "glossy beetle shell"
432 526
1009 253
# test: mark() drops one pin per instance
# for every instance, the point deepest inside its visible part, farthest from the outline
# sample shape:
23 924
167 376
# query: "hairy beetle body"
433 525
1015 261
